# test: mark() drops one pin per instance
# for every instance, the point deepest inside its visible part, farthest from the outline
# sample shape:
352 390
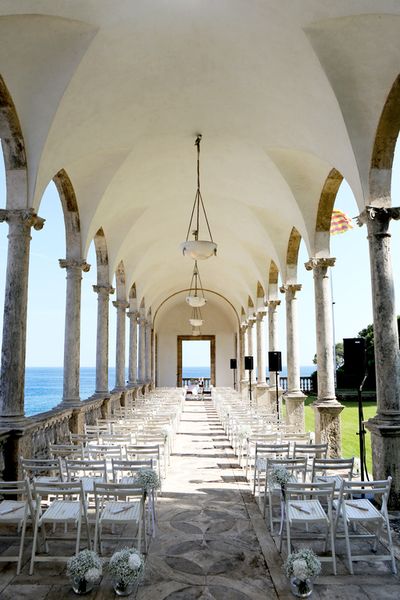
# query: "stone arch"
13 146
120 281
132 292
273 281
292 255
66 192
387 132
324 214
103 274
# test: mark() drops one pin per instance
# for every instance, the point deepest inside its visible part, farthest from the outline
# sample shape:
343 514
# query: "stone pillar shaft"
273 334
245 350
261 348
72 336
121 306
148 344
133 349
142 350
103 295
292 341
12 377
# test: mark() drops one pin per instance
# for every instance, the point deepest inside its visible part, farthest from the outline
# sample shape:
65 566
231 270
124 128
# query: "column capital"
261 314
318 263
103 289
378 218
273 304
142 320
291 288
121 304
133 314
244 327
72 263
26 217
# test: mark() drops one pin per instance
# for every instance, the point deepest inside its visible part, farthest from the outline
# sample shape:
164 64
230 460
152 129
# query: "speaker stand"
361 432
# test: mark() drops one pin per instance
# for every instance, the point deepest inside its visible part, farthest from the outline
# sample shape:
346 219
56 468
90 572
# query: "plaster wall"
175 321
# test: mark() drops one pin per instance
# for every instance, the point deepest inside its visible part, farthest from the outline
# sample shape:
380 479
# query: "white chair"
119 504
15 512
264 451
297 468
303 507
353 510
86 471
332 469
66 506
124 471
143 452
42 469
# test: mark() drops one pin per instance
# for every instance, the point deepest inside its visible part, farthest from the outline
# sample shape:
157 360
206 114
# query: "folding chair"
355 511
15 512
145 451
119 504
252 440
310 451
303 507
264 451
332 469
86 471
66 450
297 468
124 471
67 506
42 469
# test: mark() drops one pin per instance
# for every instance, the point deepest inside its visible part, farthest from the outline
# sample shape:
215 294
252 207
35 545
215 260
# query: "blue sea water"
44 386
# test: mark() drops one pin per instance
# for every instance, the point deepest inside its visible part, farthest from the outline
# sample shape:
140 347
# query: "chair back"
41 467
369 489
73 490
86 468
310 450
66 450
278 450
297 467
334 466
311 491
128 468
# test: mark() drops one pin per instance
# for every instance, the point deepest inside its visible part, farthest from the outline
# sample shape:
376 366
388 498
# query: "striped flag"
340 222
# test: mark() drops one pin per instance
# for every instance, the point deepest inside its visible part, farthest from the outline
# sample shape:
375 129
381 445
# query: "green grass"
349 423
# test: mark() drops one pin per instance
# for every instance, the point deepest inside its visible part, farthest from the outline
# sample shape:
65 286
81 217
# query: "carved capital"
319 263
25 217
261 314
292 288
71 263
273 304
121 304
103 289
378 219
133 314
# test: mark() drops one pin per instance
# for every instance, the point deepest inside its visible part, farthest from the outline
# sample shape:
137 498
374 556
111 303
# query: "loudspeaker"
275 361
248 363
233 363
354 356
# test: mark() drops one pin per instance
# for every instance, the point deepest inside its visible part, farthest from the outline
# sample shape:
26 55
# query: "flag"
340 222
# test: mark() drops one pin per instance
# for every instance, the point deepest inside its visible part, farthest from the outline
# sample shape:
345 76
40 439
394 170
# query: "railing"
306 383
187 381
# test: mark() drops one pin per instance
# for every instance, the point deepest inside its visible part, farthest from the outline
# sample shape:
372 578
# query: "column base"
327 426
294 402
13 422
271 406
244 389
261 393
385 442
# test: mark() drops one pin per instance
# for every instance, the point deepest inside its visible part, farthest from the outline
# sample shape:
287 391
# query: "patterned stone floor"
212 542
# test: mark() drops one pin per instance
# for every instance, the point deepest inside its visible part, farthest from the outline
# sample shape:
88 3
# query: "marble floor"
211 541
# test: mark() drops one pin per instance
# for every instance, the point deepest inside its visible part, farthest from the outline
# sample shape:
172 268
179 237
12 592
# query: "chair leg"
348 549
21 547
389 534
333 547
34 544
288 536
271 522
78 535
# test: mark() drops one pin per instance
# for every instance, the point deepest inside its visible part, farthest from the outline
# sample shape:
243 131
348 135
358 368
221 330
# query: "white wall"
173 320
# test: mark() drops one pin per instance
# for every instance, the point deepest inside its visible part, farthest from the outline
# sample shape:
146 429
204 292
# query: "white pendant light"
196 297
198 249
196 318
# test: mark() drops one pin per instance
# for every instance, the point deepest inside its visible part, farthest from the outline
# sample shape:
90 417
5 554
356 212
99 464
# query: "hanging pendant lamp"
196 294
196 318
195 331
198 249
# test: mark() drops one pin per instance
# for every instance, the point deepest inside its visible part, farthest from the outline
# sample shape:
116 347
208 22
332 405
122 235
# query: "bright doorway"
196 358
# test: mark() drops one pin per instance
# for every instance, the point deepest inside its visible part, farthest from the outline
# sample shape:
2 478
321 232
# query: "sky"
46 300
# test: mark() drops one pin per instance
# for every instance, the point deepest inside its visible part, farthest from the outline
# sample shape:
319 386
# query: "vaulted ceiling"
282 91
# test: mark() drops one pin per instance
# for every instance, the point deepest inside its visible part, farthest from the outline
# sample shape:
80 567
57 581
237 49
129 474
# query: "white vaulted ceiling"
114 93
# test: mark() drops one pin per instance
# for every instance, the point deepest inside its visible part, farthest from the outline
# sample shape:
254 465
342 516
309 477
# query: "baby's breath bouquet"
147 479
301 567
126 568
280 475
84 570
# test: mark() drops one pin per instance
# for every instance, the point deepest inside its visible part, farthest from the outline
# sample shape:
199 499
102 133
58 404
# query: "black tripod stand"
361 432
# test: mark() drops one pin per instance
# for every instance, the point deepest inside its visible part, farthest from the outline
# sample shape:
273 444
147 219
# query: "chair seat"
328 478
360 510
88 483
120 511
307 510
62 510
12 511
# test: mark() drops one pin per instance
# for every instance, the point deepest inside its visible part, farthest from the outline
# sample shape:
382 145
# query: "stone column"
262 387
121 306
327 408
273 346
12 377
385 426
103 295
148 351
142 350
72 336
133 348
244 351
294 397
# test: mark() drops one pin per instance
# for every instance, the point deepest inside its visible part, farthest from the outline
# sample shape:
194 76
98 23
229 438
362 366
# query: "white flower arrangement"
126 566
85 566
303 564
147 479
280 475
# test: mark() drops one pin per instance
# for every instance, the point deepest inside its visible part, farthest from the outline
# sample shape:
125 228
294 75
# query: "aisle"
206 547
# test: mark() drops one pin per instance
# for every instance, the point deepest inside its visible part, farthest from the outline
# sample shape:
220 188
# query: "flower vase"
81 586
122 589
301 588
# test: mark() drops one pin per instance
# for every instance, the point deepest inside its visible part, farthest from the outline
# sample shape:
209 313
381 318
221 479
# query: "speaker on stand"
355 368
249 366
233 366
275 364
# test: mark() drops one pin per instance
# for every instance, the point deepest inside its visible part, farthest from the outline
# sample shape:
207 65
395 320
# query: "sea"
44 385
